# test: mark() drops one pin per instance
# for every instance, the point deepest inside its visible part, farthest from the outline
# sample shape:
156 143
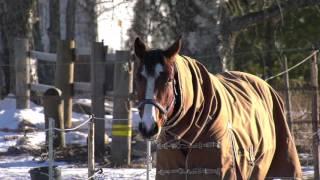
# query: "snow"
79 174
16 167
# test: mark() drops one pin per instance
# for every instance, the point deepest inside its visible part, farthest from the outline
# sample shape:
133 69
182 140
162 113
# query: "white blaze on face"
149 114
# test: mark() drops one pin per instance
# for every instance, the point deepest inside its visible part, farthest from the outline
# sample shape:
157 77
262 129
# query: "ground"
22 147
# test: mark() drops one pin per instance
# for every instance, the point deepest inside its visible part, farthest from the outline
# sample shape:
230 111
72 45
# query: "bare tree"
209 27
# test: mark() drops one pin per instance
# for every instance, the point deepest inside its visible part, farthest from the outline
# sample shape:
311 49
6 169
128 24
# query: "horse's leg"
285 162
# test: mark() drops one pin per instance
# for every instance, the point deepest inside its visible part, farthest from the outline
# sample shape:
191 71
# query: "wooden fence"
65 60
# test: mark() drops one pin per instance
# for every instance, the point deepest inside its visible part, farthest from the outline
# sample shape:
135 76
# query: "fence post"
149 159
91 160
288 95
97 96
50 147
22 66
122 122
53 108
315 115
64 76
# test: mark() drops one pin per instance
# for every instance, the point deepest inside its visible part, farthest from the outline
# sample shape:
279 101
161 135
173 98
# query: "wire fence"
196 57
104 175
100 174
167 146
295 66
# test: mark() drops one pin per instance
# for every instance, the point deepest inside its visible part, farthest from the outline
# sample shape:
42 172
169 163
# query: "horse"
224 126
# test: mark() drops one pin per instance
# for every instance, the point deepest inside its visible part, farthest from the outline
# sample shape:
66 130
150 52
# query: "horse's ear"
139 48
173 49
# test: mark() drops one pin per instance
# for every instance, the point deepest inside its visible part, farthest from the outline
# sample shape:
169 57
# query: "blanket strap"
195 171
233 142
185 146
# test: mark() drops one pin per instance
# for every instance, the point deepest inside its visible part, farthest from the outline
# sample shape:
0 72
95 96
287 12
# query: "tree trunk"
86 23
54 27
14 16
70 19
208 43
224 41
67 19
267 56
46 70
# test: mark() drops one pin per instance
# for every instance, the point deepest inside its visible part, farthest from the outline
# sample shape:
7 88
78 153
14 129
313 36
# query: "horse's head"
155 85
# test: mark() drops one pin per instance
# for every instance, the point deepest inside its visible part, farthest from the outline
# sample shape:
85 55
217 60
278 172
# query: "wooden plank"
41 88
64 76
97 96
44 56
22 68
122 122
315 116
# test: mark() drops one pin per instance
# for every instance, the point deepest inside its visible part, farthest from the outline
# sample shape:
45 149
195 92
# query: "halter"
163 111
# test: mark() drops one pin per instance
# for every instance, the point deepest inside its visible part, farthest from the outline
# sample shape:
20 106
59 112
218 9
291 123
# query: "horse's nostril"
148 133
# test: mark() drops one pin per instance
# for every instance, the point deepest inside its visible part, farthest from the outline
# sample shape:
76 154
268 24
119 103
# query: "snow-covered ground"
16 167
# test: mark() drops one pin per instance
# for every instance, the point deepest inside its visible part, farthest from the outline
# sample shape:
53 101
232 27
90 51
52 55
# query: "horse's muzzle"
148 133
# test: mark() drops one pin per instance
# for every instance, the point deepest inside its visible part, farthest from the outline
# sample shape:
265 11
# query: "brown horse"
225 126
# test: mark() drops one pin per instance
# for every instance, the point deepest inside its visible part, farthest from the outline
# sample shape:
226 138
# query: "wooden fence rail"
41 88
43 56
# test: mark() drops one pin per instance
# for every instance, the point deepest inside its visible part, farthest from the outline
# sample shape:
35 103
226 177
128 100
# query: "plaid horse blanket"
228 126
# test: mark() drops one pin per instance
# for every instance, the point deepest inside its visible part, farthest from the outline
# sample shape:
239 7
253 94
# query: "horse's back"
244 117
256 118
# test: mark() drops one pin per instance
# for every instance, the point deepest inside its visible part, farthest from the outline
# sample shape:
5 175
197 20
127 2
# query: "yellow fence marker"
121 130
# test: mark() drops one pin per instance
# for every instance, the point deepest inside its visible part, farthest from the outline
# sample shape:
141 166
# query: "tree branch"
242 22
